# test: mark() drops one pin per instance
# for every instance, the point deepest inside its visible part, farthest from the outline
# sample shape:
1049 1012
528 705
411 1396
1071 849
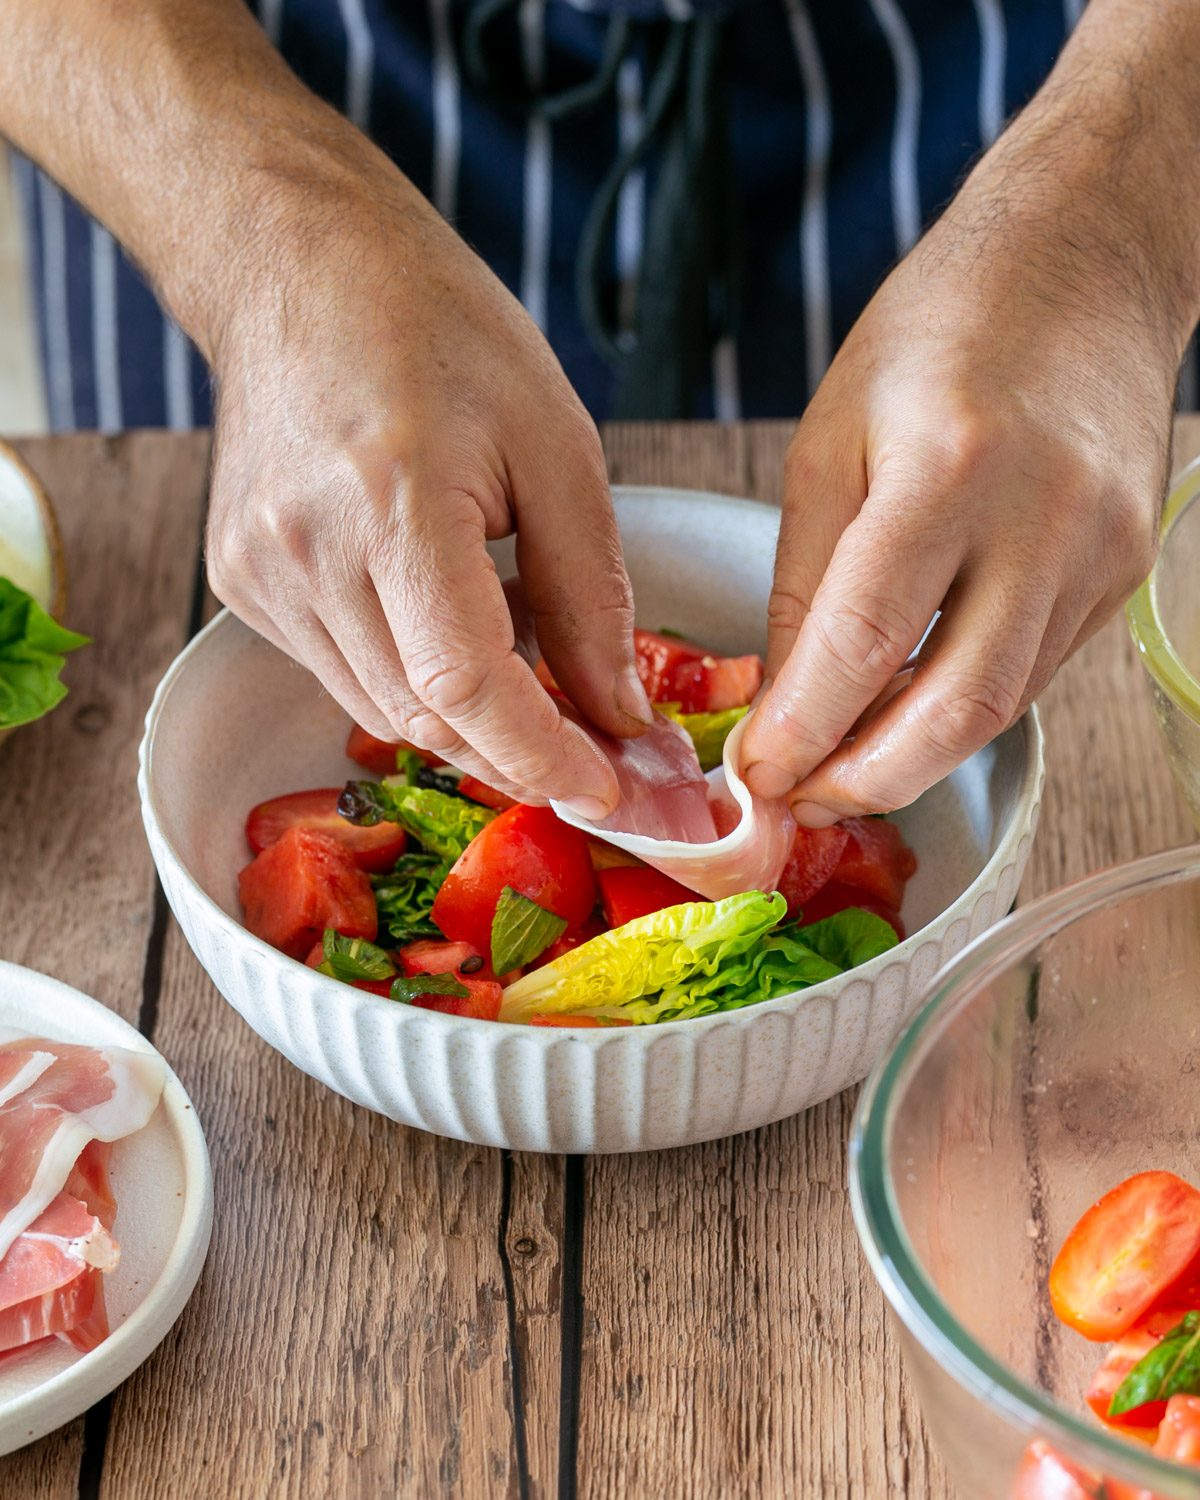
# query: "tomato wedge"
1179 1434
380 755
1046 1475
628 893
299 886
486 796
814 857
374 849
1121 1358
876 860
1124 1253
529 849
677 671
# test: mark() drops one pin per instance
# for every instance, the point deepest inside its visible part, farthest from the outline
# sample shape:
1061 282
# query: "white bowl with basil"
33 586
234 721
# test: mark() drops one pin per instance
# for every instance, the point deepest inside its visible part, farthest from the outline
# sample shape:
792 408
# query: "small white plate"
163 1187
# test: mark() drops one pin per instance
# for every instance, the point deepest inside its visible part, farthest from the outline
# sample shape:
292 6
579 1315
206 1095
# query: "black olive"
471 965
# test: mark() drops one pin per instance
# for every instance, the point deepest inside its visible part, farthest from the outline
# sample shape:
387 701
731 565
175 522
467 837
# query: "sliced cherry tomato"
627 894
487 796
372 986
1046 1475
814 857
592 1022
574 938
834 897
529 849
1179 1434
1121 1358
678 671
1124 1253
431 957
876 860
299 886
380 755
374 849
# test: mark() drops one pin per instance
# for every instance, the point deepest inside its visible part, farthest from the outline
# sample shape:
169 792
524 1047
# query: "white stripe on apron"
535 244
360 62
906 198
59 386
1072 11
992 44
106 362
177 377
270 16
631 200
814 224
447 117
727 397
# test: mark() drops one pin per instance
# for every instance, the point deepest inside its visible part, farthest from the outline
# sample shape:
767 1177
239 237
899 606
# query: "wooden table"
386 1313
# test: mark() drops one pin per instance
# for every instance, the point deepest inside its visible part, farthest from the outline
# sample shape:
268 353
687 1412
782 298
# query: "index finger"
447 610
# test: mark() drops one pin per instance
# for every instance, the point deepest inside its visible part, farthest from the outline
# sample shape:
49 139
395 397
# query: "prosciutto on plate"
61 1106
709 833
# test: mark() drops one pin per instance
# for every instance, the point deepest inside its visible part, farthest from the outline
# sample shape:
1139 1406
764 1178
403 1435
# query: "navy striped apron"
833 130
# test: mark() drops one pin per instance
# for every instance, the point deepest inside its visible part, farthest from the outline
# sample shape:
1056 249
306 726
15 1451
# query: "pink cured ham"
54 1099
50 1281
736 842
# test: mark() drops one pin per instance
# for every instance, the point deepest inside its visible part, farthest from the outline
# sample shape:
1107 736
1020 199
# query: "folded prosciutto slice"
50 1281
709 833
54 1099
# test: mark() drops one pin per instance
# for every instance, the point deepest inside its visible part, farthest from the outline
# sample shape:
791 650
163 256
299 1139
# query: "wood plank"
78 899
374 1301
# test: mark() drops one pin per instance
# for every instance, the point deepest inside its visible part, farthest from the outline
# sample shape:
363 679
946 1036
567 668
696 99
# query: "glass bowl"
1164 617
1059 1054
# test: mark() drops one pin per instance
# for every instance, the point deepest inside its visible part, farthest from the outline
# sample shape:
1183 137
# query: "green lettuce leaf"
33 650
708 731
521 930
441 823
849 938
349 959
405 896
654 953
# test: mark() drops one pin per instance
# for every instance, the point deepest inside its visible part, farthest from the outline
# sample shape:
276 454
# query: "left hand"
992 442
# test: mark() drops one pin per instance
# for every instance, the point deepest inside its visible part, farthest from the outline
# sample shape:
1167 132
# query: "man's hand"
384 405
991 440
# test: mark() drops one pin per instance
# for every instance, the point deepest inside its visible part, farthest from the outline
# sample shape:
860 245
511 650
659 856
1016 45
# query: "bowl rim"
1026 804
1146 626
41 496
877 1218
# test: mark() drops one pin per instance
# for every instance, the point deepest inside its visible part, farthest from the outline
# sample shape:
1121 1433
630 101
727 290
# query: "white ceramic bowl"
234 722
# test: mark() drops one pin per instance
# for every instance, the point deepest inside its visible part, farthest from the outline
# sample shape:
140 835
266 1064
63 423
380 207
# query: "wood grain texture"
77 896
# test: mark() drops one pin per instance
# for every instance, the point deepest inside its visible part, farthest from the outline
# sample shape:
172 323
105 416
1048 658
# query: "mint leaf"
409 990
521 930
33 650
405 896
441 823
349 959
1171 1368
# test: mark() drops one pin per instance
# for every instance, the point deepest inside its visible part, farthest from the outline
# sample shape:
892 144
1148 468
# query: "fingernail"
631 697
813 815
590 808
766 780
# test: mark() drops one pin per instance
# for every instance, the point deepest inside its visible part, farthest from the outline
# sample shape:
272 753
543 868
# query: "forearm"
177 124
1106 160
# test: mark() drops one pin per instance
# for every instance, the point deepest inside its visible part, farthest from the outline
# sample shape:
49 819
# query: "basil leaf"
405 896
1171 1368
521 930
441 823
33 650
349 959
427 984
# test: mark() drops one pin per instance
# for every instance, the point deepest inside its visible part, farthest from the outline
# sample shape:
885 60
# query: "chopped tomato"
372 986
835 897
529 849
577 1021
1046 1475
574 938
482 1000
1179 1434
380 755
1121 1358
299 886
487 796
374 849
876 860
814 857
1124 1253
609 857
678 671
627 894
483 989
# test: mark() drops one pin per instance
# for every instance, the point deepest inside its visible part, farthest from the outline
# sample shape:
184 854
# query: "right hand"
385 407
